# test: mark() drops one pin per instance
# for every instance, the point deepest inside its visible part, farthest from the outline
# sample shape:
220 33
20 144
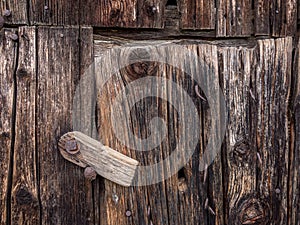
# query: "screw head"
128 213
7 13
14 37
90 173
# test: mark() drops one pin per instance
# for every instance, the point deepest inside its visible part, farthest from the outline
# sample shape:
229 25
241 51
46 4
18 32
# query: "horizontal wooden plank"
234 18
197 14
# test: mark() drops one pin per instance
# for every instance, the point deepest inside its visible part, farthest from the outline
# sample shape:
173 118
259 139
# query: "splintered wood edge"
106 161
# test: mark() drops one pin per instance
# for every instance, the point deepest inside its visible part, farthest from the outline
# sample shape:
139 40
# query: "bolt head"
90 173
128 213
7 13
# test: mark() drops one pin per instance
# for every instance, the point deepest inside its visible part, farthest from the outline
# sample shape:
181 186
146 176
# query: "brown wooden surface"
197 14
8 55
234 18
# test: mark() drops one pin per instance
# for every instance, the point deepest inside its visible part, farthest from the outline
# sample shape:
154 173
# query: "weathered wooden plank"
125 13
273 84
234 18
181 198
240 170
294 188
25 187
54 12
275 17
197 14
8 56
284 18
58 56
15 11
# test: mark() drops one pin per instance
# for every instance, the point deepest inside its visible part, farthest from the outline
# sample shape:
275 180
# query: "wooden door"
48 48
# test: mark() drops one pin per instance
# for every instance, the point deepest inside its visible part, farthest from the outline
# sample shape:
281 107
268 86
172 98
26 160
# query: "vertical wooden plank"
262 17
284 18
18 11
125 13
294 188
273 83
240 151
197 14
234 18
58 57
54 12
25 187
8 55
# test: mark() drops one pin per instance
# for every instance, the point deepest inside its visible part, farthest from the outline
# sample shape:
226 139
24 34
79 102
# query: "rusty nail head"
90 173
71 146
14 37
277 190
128 213
7 13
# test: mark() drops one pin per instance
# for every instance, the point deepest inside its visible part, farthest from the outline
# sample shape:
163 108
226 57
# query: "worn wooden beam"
25 183
197 14
8 55
234 18
58 56
14 11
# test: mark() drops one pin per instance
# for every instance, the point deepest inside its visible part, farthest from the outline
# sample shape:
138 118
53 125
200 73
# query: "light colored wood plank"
8 56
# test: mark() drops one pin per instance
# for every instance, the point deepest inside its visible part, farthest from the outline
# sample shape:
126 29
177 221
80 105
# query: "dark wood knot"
250 210
22 73
24 197
242 152
139 64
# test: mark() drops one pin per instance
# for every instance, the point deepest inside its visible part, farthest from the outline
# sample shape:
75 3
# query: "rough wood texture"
18 11
85 151
294 188
197 14
58 72
234 18
25 187
8 56
276 18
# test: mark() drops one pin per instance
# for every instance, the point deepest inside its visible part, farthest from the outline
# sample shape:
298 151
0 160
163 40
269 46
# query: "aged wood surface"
294 185
60 48
25 184
197 14
8 56
15 11
234 18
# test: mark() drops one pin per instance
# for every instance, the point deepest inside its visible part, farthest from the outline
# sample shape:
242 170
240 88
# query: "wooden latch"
85 151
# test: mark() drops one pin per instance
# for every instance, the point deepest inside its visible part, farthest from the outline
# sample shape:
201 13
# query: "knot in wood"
23 196
22 73
251 210
242 152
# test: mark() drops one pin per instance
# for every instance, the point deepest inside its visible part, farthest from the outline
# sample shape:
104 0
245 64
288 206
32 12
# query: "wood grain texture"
275 17
124 13
25 187
197 14
54 12
58 71
234 18
18 9
294 188
8 56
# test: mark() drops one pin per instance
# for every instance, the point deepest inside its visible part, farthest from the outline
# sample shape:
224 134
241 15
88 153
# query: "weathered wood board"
17 11
8 56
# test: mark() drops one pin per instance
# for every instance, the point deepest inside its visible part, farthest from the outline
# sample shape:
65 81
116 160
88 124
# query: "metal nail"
277 190
205 173
61 35
198 93
71 147
148 210
206 203
90 173
7 13
259 158
252 95
14 37
46 7
238 8
277 11
128 213
211 210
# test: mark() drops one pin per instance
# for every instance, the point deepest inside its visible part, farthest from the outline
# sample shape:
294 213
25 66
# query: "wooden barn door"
252 47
